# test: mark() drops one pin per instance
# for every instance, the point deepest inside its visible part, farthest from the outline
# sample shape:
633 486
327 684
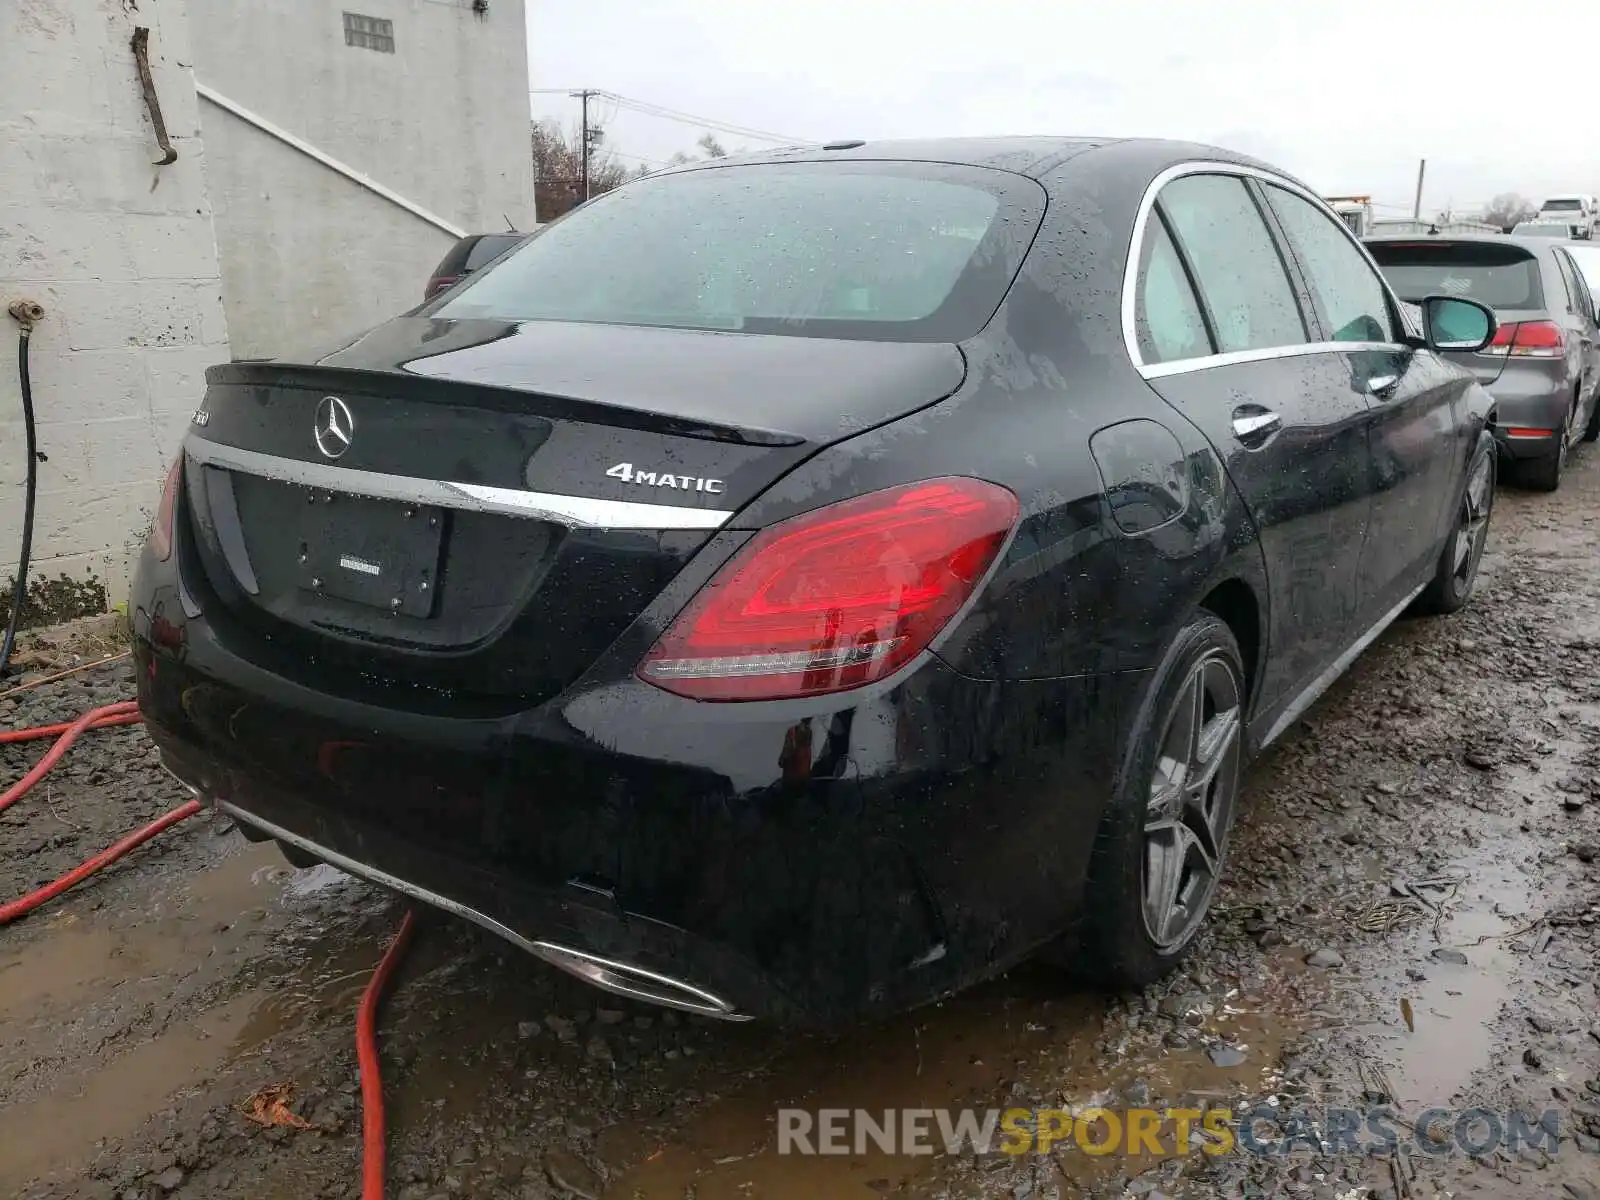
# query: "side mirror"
1451 323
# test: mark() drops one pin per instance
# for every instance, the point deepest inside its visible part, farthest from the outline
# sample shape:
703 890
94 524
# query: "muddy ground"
1427 836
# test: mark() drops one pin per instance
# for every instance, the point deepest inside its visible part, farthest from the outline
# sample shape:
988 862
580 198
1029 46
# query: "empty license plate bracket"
375 553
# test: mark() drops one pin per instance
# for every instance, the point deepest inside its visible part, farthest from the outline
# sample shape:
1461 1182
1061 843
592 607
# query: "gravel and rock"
1411 919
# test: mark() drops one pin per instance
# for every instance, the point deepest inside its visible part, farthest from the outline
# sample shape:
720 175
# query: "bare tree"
558 170
709 146
1506 209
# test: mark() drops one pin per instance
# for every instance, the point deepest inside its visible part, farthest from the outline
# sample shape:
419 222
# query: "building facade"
426 98
325 153
121 254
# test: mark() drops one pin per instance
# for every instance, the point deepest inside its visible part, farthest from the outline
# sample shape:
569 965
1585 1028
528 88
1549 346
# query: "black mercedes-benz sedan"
800 586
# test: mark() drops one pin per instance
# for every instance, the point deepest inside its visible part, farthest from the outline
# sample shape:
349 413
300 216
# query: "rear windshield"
1573 205
867 250
1502 277
489 247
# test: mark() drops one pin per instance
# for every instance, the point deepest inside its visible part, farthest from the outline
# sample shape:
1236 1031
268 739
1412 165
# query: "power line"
651 109
728 127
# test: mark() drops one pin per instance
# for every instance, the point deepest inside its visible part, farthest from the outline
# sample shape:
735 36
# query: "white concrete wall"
123 257
308 257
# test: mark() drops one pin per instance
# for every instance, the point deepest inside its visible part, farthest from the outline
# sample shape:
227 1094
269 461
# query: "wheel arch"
1235 603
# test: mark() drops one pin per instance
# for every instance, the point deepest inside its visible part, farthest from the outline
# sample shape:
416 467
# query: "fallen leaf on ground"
269 1106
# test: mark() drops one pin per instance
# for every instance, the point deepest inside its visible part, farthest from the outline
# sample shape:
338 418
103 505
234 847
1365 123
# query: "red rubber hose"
63 743
127 713
40 732
19 908
372 1147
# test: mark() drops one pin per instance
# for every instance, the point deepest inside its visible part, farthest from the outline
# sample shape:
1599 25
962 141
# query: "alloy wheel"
1472 530
1192 795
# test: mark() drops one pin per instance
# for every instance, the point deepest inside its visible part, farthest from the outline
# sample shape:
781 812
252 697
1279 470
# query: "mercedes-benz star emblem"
335 427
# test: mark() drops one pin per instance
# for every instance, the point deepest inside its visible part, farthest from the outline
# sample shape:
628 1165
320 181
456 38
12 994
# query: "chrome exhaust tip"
620 978
636 983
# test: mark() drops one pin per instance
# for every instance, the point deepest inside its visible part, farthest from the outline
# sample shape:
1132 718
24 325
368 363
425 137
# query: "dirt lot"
1427 838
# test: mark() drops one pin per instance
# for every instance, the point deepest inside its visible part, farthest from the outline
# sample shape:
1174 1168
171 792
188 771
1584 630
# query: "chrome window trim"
1204 362
575 512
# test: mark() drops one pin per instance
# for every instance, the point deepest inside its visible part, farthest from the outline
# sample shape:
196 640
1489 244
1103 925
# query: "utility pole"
586 137
1416 208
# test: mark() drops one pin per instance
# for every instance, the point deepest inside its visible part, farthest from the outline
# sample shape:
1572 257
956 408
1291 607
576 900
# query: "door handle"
1254 425
1379 384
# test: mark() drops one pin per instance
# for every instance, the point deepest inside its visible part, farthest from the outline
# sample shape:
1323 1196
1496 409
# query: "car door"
1412 400
1222 331
1580 321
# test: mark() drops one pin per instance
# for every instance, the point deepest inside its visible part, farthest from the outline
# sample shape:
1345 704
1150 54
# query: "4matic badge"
661 479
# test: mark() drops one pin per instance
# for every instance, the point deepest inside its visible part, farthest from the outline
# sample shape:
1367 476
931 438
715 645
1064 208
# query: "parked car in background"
1579 212
469 254
1543 367
1542 229
804 585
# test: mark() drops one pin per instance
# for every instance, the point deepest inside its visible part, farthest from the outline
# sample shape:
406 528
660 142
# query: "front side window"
1241 276
1347 290
1169 322
872 250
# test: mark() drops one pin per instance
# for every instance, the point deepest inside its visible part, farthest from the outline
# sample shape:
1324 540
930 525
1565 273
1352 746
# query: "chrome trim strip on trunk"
1323 682
607 974
578 512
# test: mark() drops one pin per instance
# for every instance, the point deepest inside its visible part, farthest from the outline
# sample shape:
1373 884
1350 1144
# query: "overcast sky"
1349 97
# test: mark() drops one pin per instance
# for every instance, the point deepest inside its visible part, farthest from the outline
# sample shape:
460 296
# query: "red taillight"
1529 339
161 530
835 598
440 283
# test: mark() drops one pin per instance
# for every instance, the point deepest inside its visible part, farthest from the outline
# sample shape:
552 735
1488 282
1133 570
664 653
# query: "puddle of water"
1454 1008
76 960
111 1097
56 971
1020 1037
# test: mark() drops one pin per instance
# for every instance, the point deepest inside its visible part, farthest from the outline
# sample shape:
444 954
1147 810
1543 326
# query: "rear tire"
1457 572
1163 841
1544 474
1592 432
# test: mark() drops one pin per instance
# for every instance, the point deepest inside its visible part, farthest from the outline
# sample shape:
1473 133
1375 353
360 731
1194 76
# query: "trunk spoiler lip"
426 389
574 512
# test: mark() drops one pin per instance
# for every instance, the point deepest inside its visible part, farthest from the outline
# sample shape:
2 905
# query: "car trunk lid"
478 509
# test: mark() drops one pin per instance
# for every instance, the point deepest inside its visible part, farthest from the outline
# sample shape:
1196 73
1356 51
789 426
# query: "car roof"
1033 156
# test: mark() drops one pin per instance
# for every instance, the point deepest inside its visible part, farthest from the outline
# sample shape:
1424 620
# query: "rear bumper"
804 861
1531 395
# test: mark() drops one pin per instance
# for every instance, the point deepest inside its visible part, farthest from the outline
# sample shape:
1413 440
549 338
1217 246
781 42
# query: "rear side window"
1502 276
1241 276
1570 281
873 250
1169 323
1347 289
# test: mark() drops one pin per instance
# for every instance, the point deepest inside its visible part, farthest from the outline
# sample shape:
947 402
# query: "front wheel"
1457 571
1161 846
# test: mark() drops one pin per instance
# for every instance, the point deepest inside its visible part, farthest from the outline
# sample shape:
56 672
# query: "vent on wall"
369 33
